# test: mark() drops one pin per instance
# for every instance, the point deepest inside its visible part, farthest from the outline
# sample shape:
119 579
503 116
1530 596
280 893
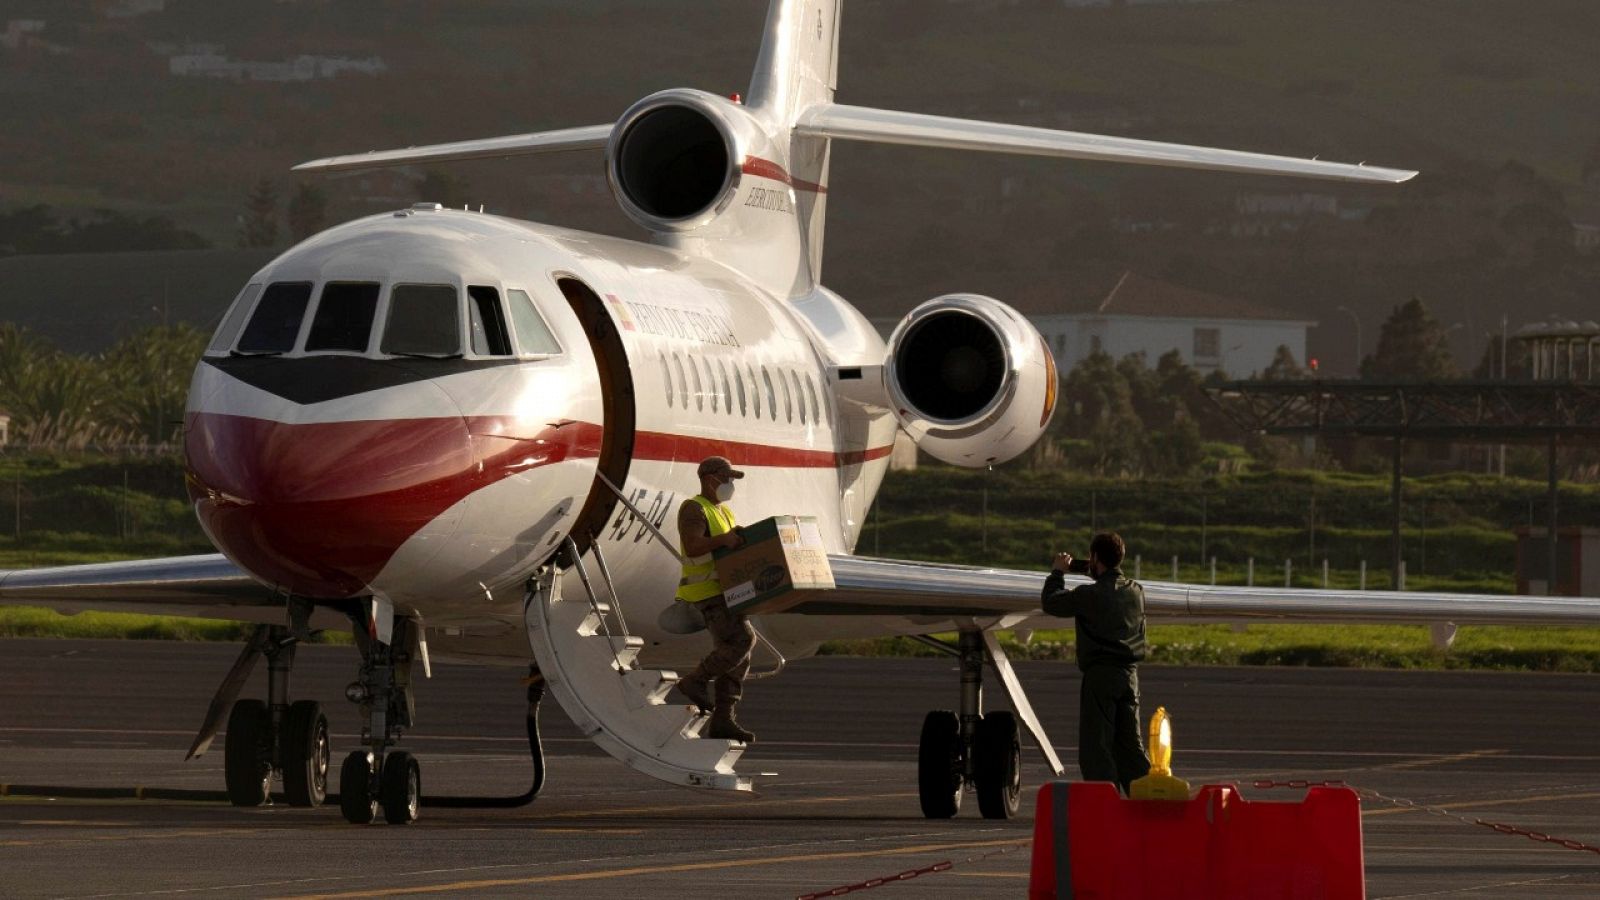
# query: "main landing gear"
272 737
976 750
377 777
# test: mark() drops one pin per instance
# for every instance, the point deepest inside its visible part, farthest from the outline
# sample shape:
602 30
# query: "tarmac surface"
841 733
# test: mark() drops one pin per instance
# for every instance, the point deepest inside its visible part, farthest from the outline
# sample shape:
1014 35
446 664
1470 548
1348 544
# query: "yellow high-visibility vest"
699 580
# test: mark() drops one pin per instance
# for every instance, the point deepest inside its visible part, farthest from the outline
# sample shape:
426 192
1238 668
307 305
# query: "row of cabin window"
421 320
681 376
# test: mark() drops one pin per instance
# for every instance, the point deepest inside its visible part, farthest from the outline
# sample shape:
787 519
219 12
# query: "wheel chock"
1091 844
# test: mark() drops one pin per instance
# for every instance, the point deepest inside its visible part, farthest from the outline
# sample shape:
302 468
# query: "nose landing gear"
375 777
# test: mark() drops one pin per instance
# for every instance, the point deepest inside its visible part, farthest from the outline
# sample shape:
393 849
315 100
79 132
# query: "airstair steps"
592 669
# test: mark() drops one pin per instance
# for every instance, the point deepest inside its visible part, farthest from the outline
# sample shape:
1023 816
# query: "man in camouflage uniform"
1109 618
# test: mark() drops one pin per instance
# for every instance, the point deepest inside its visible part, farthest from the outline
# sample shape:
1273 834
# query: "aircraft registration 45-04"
462 433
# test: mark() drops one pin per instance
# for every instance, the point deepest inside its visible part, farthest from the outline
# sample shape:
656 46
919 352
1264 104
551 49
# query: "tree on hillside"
55 398
151 372
1283 366
1412 345
258 227
308 211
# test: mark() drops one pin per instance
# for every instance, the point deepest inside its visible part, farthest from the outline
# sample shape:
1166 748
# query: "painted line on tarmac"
1478 804
602 874
1437 760
736 804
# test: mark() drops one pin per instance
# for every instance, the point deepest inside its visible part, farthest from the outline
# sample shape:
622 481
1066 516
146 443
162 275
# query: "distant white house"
1141 314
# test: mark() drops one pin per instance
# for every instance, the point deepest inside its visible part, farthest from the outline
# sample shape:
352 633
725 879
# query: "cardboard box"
782 563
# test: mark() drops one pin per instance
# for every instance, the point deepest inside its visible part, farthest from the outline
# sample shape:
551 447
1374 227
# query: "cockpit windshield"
424 320
344 317
276 322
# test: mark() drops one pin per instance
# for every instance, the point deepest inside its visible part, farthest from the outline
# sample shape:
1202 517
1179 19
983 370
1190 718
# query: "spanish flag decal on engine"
1049 383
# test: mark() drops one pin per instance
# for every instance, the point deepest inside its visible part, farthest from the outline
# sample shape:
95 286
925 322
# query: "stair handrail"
643 519
771 648
594 604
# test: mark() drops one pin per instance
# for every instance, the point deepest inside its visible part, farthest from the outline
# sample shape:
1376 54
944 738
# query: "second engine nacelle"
972 381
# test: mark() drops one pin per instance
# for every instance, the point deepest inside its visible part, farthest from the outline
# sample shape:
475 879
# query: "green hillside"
1457 88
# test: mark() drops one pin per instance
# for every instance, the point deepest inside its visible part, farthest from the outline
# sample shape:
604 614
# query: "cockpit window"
344 317
276 322
533 335
424 320
234 321
486 323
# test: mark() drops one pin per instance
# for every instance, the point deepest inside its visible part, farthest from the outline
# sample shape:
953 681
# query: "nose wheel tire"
247 756
997 765
305 755
400 788
356 801
939 769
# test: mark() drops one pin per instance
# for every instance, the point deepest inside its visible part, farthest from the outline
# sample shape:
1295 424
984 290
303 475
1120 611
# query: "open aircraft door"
617 397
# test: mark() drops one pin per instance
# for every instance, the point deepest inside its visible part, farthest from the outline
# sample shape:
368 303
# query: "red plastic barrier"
1216 846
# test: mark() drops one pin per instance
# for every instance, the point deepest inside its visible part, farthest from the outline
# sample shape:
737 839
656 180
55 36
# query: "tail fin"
797 70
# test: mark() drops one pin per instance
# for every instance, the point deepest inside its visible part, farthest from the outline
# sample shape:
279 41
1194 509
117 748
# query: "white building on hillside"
1140 314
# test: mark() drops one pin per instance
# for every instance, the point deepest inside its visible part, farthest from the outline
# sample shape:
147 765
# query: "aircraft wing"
592 137
885 126
939 591
208 586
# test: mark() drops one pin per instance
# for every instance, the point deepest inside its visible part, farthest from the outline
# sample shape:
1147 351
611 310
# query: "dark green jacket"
1109 614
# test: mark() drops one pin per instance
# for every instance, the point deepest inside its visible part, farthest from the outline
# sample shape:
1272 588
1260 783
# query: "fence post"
1324 574
1138 566
1213 571
1401 580
1174 568
1250 572
1363 575
1288 573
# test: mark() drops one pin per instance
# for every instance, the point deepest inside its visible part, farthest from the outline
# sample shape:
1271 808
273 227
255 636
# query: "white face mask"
725 492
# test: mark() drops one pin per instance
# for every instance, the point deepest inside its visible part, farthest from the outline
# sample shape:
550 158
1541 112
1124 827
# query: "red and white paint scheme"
415 421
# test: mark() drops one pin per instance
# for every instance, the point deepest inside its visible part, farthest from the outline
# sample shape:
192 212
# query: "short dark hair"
1107 547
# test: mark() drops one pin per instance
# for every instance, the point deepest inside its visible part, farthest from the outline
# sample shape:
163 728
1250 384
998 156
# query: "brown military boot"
697 689
724 727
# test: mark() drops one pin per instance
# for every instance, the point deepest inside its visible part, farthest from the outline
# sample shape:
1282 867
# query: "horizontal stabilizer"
857 123
593 137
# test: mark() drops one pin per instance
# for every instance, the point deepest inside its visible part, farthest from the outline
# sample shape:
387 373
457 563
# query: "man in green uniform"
1109 615
705 523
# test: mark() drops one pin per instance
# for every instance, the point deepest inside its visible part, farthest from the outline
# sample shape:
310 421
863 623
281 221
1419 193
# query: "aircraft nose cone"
318 508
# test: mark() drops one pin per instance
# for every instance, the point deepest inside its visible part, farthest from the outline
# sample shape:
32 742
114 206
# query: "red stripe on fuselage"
766 168
320 508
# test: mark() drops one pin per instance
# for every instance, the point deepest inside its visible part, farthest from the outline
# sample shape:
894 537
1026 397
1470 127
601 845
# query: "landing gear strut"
275 736
973 749
376 777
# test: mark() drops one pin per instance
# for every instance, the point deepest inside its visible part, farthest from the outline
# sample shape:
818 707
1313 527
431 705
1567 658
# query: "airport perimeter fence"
1458 532
96 502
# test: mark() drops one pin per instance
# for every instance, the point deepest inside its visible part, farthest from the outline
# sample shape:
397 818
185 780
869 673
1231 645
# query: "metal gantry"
1491 412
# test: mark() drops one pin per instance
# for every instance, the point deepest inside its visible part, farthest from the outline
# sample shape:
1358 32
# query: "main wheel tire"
356 801
997 765
305 754
401 788
247 754
939 765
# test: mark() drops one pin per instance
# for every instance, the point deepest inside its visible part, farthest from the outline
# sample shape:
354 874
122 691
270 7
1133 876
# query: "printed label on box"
739 593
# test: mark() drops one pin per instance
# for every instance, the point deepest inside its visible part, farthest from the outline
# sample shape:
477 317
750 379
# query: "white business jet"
467 433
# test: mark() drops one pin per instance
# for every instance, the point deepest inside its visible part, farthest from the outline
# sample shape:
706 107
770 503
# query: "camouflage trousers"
732 639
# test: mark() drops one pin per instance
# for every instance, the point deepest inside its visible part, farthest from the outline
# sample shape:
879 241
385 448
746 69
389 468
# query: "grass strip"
1505 648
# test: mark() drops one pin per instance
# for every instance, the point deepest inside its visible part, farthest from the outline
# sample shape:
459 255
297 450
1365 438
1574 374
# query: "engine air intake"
951 365
672 162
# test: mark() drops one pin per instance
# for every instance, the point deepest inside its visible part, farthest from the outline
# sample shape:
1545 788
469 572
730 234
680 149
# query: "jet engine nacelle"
675 159
971 380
